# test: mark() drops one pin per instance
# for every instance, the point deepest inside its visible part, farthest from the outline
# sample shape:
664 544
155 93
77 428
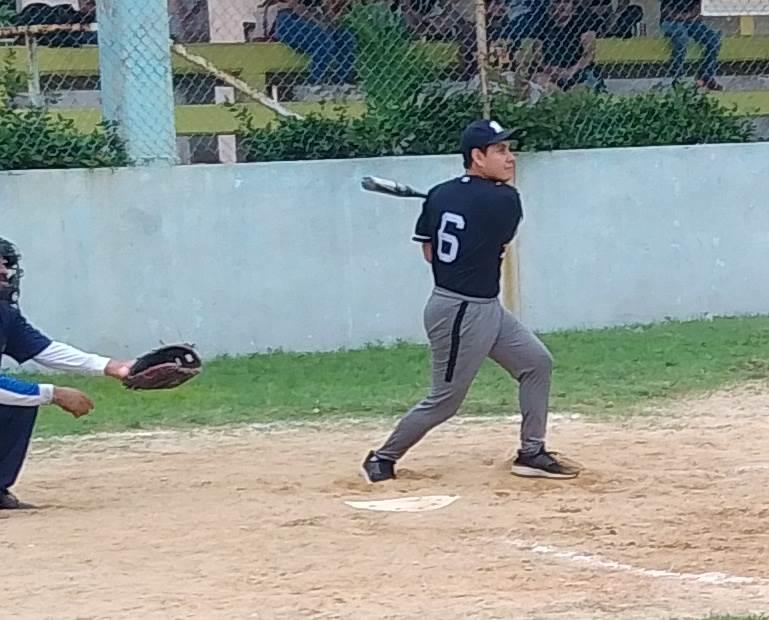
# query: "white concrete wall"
247 257
636 235
236 258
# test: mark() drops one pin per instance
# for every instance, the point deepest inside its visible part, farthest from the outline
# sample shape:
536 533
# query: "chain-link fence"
399 70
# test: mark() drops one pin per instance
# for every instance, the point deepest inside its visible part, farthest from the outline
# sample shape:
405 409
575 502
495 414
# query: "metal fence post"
136 77
483 55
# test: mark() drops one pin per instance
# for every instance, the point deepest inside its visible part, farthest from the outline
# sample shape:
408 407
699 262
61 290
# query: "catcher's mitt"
166 367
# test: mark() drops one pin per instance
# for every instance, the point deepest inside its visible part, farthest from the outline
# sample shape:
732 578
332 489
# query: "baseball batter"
19 400
464 227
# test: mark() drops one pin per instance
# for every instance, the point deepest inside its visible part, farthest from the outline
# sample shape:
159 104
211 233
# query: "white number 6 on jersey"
448 244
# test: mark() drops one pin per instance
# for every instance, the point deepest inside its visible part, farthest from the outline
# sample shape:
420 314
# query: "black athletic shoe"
543 464
8 501
375 469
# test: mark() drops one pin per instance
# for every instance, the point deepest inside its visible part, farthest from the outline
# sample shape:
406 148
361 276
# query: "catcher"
19 400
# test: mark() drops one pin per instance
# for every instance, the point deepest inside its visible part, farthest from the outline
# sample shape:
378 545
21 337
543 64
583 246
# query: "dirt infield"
669 519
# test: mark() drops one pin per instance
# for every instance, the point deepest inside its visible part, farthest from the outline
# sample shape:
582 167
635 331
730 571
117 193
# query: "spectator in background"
680 21
512 21
439 20
188 20
40 13
620 23
564 52
313 27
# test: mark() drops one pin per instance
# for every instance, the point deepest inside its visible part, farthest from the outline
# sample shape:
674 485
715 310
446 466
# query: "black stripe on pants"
454 352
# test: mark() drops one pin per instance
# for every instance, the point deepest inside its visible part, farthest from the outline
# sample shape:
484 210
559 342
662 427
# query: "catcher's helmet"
11 286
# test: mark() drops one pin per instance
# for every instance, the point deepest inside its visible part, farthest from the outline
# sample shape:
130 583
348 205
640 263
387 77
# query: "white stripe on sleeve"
17 393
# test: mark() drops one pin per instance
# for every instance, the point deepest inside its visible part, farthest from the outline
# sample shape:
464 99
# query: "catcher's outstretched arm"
18 393
60 356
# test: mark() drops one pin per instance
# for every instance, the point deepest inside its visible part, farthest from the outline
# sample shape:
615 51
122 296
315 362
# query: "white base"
406 504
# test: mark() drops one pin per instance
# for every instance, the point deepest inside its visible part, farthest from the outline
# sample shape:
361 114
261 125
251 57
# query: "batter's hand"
72 400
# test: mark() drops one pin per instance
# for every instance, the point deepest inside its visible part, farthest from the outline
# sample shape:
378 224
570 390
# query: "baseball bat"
390 188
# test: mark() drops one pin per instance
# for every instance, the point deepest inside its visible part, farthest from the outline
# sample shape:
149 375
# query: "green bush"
390 69
432 124
7 12
582 120
32 138
36 138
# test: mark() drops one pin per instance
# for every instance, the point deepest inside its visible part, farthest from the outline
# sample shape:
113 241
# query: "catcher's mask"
10 277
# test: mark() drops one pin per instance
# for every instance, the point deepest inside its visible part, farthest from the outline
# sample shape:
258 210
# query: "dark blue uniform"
468 222
21 342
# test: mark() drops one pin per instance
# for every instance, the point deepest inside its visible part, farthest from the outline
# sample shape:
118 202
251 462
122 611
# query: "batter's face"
496 164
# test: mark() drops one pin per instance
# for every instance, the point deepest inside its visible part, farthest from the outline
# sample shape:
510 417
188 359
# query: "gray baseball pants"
463 332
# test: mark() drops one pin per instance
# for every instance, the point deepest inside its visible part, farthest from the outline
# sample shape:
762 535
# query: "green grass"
601 372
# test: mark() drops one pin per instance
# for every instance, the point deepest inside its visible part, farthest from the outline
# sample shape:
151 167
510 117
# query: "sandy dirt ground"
670 518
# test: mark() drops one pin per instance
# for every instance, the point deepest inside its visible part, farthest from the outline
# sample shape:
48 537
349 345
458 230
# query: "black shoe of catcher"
374 469
543 464
8 501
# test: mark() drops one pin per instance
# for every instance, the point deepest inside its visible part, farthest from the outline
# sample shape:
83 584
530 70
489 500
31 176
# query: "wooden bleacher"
255 63
736 49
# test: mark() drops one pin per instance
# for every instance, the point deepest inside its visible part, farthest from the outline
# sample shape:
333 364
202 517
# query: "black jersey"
468 221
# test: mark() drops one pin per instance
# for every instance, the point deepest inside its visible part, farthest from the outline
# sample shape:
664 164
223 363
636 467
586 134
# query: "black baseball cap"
482 133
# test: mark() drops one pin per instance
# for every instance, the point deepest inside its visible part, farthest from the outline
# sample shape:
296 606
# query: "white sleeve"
60 356
18 393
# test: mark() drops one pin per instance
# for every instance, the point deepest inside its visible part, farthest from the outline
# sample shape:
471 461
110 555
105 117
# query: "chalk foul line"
596 561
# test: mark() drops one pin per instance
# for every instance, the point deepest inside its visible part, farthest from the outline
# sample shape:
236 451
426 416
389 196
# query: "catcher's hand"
166 367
